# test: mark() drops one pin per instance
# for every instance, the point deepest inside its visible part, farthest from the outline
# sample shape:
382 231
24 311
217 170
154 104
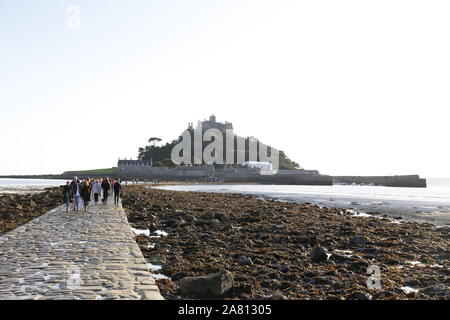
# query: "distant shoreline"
403 181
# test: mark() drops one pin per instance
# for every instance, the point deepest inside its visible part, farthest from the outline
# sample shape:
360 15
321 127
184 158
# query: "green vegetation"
107 171
161 154
286 163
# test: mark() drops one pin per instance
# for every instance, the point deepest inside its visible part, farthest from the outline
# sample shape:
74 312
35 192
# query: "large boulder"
7 215
246 261
318 254
358 241
212 285
359 296
444 256
339 258
359 266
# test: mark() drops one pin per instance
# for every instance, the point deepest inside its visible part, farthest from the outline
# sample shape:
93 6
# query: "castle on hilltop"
211 124
239 173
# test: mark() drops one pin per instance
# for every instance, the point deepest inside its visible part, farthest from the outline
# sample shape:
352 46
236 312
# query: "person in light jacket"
96 190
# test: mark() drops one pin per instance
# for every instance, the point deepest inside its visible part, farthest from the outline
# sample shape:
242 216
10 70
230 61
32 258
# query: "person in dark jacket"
105 186
86 193
74 186
67 195
117 188
76 192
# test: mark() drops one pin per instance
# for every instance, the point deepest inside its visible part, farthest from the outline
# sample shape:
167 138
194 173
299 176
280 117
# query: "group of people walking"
82 190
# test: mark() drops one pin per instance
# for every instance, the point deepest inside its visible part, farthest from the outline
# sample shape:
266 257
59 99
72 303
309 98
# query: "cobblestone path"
75 255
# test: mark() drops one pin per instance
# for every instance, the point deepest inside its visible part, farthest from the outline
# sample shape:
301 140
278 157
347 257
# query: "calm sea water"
27 185
30 182
430 204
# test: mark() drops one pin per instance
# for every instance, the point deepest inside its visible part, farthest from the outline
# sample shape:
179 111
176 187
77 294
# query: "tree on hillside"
154 141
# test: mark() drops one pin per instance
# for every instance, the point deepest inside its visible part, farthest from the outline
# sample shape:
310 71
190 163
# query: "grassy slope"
96 171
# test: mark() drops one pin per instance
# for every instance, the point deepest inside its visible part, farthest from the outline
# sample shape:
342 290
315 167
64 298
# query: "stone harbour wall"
411 181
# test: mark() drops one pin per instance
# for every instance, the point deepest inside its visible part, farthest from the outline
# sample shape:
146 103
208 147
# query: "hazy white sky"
345 87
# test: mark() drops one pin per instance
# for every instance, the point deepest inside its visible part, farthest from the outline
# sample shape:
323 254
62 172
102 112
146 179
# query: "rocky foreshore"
232 246
18 209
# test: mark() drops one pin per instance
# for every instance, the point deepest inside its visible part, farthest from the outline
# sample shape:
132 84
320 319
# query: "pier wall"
281 179
411 181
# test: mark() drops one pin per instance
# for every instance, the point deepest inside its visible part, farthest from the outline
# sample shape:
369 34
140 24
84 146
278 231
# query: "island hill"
154 162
